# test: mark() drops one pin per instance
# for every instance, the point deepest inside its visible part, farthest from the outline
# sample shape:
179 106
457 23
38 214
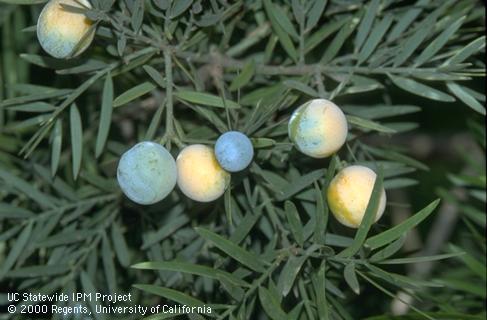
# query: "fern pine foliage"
180 72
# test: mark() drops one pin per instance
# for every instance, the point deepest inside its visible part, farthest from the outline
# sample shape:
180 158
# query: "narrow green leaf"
105 115
16 250
294 222
179 7
368 124
38 271
89 288
284 21
76 139
420 89
470 49
471 262
133 93
299 184
406 19
338 41
108 265
243 256
271 305
314 13
56 145
120 245
170 294
368 218
205 99
366 23
244 77
414 41
300 86
438 43
322 33
462 94
351 277
284 38
155 75
185 267
397 231
26 188
319 284
289 274
375 38
422 259
389 250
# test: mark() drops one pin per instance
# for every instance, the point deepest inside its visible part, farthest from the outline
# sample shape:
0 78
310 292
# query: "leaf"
271 305
397 231
420 89
322 33
105 115
179 7
289 274
76 139
170 294
27 188
437 44
300 86
89 288
283 37
464 53
351 277
471 262
422 259
314 14
205 99
367 219
294 222
319 284
166 230
204 271
462 94
155 75
366 23
56 145
244 77
337 42
133 94
243 256
120 245
380 111
29 2
108 265
368 124
284 22
137 15
16 250
38 271
374 38
389 250
406 19
413 42
299 184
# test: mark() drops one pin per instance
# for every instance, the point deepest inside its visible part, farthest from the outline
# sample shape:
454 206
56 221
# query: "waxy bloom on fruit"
234 151
64 34
318 128
349 193
200 176
147 173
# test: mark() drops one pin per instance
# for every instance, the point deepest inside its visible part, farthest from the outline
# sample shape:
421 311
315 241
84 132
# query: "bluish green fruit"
147 173
234 151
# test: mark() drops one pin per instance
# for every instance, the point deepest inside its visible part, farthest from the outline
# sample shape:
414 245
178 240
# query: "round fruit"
318 128
200 176
234 151
349 193
147 173
64 34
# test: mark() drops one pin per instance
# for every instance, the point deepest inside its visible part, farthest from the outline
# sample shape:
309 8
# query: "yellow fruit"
200 176
61 33
349 192
318 128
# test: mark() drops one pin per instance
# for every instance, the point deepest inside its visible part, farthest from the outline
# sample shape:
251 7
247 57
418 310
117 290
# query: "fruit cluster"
147 173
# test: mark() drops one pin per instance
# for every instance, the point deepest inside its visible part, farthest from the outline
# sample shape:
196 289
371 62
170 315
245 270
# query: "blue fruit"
147 173
234 151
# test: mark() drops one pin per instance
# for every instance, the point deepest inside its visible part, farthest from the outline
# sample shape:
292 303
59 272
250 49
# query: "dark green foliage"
181 72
